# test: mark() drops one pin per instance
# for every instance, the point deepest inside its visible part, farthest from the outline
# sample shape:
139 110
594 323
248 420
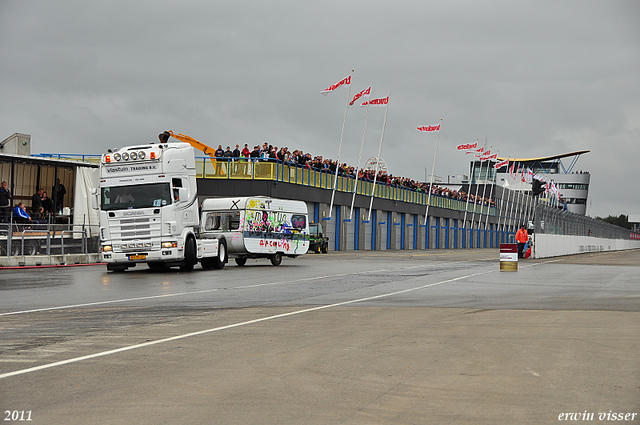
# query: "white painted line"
204 291
235 325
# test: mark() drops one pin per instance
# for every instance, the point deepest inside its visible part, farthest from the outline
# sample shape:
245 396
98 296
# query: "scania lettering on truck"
149 210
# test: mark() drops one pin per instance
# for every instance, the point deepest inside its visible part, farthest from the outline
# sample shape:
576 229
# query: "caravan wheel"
276 259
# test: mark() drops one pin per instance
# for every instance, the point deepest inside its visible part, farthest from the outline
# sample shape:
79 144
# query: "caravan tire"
276 259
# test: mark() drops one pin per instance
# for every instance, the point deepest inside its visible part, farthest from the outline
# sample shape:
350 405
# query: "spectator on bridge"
522 237
5 202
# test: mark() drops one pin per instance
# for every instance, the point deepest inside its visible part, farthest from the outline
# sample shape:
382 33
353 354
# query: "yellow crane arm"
195 143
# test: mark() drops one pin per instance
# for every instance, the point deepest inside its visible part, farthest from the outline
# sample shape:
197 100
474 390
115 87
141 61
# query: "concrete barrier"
48 260
557 245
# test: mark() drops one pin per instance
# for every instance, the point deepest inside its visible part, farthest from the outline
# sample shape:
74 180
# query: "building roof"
544 158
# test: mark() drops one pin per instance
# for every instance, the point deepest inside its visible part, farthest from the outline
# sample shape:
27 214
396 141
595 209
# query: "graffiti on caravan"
131 168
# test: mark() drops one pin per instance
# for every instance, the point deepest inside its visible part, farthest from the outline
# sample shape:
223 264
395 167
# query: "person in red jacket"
522 237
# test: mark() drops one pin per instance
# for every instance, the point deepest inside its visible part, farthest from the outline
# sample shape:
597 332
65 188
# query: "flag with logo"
429 128
364 93
382 101
344 82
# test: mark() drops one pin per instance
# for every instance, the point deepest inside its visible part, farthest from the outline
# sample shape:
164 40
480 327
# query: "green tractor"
317 241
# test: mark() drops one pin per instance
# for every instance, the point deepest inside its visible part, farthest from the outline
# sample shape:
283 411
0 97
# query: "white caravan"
257 227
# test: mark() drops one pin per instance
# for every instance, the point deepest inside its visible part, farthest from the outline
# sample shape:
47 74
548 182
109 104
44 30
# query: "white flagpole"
433 170
375 176
466 207
484 189
504 188
355 188
495 177
473 216
335 180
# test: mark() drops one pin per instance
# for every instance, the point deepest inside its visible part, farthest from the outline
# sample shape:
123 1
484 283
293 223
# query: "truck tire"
220 260
241 261
189 255
276 259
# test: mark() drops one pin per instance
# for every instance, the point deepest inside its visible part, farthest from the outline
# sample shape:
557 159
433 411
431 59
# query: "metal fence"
47 239
291 173
550 220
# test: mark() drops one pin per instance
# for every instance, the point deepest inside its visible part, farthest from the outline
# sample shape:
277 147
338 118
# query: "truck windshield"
131 197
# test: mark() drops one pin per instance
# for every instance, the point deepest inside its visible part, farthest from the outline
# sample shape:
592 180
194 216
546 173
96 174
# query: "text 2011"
17 415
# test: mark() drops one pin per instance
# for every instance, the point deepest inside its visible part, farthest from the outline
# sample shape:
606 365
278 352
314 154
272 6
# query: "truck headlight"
169 244
106 248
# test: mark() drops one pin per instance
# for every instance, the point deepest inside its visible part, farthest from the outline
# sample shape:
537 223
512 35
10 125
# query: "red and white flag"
429 128
364 93
345 81
512 172
486 157
382 101
467 146
501 164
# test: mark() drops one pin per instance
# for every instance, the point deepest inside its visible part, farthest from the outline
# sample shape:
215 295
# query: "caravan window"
222 221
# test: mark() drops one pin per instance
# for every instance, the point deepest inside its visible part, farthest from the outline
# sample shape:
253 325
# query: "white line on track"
204 291
235 325
249 322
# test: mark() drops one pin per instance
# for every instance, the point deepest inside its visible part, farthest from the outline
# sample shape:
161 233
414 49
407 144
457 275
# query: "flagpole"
466 207
335 180
433 170
355 187
375 176
473 216
495 175
504 188
484 188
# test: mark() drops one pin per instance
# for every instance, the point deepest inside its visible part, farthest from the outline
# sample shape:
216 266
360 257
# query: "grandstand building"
573 185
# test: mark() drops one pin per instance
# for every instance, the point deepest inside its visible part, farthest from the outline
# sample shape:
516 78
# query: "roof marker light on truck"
141 155
107 158
117 156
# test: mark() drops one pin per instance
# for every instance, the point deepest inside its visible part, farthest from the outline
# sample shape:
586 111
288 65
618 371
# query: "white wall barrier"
556 245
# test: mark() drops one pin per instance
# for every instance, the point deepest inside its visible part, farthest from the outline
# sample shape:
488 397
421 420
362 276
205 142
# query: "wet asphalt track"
369 337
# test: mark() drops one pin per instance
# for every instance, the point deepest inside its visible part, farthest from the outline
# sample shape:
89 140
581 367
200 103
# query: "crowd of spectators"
42 206
297 157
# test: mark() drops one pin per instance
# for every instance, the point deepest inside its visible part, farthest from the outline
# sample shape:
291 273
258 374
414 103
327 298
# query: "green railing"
278 171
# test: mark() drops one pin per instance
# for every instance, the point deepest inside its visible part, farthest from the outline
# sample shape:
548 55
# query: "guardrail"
46 239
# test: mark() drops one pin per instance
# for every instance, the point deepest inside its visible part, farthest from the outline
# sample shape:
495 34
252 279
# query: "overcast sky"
532 78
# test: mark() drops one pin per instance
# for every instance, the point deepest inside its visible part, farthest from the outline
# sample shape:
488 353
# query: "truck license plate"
137 257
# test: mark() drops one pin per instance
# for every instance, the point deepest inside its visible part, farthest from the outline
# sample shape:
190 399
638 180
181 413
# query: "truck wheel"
241 261
276 259
189 255
325 249
220 260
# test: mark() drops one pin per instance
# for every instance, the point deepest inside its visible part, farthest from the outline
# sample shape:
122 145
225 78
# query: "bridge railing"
291 173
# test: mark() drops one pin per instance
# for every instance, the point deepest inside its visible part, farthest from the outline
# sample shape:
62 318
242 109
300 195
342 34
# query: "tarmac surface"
400 337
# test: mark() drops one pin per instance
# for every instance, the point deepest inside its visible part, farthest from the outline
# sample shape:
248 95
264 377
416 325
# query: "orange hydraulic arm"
195 143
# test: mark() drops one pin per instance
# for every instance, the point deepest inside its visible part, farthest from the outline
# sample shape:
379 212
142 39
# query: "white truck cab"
149 213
